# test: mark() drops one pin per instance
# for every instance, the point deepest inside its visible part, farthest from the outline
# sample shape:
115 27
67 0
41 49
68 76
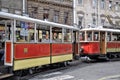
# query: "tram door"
102 43
75 46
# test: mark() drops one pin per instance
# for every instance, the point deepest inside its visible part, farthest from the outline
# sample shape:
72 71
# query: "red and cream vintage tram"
100 42
31 42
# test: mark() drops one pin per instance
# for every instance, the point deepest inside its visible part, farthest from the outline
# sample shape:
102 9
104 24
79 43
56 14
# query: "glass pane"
108 36
67 35
89 36
43 33
24 31
82 36
96 36
57 34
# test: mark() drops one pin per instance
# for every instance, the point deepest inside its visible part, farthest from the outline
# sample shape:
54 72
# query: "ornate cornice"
62 4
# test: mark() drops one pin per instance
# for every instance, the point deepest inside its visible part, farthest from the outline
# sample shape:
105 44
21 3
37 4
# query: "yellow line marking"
109 77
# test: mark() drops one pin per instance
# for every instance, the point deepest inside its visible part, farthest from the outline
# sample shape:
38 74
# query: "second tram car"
100 43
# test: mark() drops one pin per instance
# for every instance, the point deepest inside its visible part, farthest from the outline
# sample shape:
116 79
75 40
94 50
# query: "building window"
110 5
80 2
80 20
102 4
94 3
94 21
46 14
56 16
4 9
66 17
34 12
116 6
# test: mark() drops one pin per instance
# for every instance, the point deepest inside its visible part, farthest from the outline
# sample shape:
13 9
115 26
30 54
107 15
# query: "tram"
31 43
100 43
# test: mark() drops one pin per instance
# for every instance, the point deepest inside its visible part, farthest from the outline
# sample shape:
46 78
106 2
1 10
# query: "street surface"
84 71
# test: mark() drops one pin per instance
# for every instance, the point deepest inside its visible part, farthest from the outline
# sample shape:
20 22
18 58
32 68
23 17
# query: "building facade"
59 11
12 6
96 13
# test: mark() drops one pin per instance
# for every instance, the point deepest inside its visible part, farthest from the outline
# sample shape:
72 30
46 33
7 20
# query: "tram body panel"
31 55
113 47
8 53
61 52
23 51
76 49
90 48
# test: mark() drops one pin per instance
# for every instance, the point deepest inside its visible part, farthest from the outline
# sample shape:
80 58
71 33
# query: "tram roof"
8 16
100 29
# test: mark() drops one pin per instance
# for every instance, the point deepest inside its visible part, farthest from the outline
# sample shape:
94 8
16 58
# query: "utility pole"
23 7
74 12
97 12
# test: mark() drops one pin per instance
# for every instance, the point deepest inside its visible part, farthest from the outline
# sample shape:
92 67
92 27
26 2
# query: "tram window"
114 37
43 33
77 36
24 31
89 36
45 36
82 36
96 36
57 34
67 35
108 36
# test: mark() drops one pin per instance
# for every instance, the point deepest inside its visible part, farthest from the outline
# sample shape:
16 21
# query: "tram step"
2 76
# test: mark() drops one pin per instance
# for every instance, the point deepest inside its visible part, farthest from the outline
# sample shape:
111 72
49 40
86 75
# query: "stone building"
97 13
12 6
59 11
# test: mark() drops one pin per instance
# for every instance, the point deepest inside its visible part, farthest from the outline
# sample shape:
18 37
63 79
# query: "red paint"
90 48
59 49
113 45
33 50
8 52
